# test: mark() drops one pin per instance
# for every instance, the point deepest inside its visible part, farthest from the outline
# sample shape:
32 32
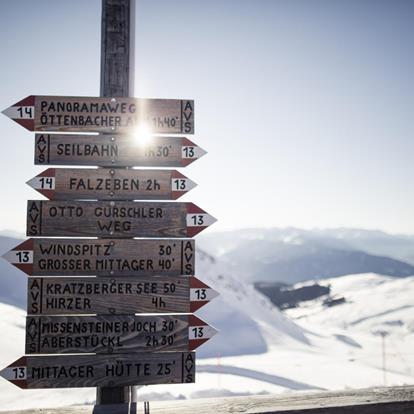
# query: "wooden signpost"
115 334
115 219
101 370
103 114
111 184
119 295
105 257
115 151
84 294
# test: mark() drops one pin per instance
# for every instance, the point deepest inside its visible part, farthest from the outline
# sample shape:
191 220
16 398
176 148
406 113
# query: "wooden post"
117 79
117 48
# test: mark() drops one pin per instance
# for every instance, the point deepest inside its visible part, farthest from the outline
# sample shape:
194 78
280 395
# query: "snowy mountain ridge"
292 255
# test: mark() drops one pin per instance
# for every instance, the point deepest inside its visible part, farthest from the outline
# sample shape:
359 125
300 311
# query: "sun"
143 135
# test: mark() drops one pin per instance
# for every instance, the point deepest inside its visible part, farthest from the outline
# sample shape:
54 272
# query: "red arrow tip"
16 372
28 101
22 112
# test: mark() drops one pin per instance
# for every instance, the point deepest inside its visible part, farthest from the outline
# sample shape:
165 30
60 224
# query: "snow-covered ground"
261 350
343 347
376 307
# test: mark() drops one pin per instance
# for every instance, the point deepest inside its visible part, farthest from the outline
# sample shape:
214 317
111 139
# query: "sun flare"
143 135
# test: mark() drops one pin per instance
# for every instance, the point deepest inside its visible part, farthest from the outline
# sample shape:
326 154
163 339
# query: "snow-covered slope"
247 322
260 349
374 303
343 348
375 307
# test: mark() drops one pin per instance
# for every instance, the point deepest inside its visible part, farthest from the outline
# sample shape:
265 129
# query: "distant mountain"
292 255
330 263
400 247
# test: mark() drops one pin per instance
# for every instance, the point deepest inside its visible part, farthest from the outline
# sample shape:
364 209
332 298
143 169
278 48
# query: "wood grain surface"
62 371
117 48
116 295
104 257
112 115
110 219
378 400
106 334
114 151
110 184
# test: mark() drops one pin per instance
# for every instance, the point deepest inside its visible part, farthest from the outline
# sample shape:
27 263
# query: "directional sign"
120 295
115 150
93 114
120 257
115 219
59 371
111 184
115 334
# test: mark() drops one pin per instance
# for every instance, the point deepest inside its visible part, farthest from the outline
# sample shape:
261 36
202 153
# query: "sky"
305 107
